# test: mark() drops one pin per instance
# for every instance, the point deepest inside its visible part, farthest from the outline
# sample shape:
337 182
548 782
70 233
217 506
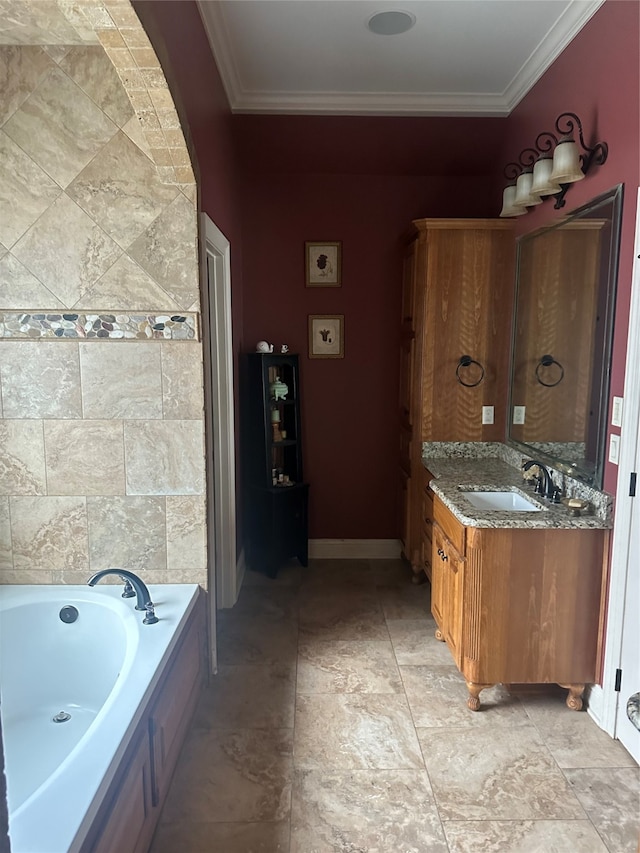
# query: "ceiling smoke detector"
391 23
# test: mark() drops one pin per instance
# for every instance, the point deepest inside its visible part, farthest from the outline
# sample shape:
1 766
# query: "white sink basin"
504 501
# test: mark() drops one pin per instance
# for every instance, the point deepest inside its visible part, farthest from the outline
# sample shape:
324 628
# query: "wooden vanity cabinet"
457 296
446 592
518 605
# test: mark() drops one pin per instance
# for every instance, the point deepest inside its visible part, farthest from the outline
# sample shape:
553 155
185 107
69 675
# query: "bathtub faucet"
142 593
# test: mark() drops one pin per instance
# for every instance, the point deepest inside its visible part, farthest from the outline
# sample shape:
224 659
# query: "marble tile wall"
101 441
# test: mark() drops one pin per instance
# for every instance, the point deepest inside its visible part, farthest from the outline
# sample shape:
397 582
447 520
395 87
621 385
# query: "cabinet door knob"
444 557
440 552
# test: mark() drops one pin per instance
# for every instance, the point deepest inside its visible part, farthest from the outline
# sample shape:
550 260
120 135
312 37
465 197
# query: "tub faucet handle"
150 617
128 591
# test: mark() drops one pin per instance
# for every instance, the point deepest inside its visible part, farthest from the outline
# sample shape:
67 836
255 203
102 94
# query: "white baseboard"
594 699
345 549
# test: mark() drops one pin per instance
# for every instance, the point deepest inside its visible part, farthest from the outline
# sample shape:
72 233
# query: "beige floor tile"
611 799
414 642
523 836
496 773
353 615
387 572
248 697
347 666
193 837
402 600
572 737
338 573
364 810
359 783
289 575
259 640
352 731
232 776
438 696
276 603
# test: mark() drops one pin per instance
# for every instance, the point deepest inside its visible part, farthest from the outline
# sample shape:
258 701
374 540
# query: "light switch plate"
518 414
616 412
614 448
487 414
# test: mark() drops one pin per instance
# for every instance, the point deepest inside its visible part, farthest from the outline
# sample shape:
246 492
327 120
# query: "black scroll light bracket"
467 361
545 362
567 123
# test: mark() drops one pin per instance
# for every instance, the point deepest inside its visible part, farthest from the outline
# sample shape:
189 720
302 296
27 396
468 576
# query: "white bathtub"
100 669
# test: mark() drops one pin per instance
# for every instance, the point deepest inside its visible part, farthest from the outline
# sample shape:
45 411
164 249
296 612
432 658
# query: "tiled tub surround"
103 460
102 439
493 466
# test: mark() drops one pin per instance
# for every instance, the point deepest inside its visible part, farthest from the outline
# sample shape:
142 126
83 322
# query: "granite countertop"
455 475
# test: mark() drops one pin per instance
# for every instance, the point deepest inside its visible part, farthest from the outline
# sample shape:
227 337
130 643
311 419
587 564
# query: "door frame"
624 504
220 450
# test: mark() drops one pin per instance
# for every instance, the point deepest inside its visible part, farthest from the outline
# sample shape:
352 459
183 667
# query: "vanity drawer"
453 529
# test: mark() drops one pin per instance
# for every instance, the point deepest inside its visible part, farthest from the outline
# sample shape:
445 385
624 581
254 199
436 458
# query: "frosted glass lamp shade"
524 197
509 207
542 184
566 162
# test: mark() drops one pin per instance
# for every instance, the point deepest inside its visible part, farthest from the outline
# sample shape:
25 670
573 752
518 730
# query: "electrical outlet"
614 448
616 412
487 414
518 414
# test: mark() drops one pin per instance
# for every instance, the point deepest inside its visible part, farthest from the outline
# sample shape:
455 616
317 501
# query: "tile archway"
114 25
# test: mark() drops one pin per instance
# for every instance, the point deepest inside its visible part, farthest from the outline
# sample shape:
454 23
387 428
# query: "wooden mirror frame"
595 359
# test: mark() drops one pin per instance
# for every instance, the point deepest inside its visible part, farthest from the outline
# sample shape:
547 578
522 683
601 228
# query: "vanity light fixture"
539 173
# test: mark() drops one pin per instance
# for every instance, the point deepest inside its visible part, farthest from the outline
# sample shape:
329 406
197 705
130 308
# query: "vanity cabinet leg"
439 635
473 702
574 699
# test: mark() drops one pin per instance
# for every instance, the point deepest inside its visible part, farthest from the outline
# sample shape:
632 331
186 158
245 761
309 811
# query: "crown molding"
572 20
219 39
488 104
372 103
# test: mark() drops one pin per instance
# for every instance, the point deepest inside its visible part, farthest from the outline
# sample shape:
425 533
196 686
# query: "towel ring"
548 361
467 361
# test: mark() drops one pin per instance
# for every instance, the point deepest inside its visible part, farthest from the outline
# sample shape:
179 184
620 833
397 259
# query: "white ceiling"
462 57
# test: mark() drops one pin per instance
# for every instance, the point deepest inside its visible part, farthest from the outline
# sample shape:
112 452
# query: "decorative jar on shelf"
278 389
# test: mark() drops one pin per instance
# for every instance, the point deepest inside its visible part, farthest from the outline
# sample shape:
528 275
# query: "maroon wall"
596 77
350 405
272 182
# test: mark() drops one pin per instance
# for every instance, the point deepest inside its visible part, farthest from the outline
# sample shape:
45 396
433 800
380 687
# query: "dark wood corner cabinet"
457 297
276 498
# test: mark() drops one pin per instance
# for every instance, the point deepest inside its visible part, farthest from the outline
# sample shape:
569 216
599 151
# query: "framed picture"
323 262
326 335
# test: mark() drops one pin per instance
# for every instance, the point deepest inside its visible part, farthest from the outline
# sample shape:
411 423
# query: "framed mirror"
562 334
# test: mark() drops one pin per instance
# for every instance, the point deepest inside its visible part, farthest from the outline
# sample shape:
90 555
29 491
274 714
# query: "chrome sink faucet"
547 489
142 593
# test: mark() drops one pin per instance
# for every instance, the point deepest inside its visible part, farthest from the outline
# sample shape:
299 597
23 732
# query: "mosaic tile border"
68 325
